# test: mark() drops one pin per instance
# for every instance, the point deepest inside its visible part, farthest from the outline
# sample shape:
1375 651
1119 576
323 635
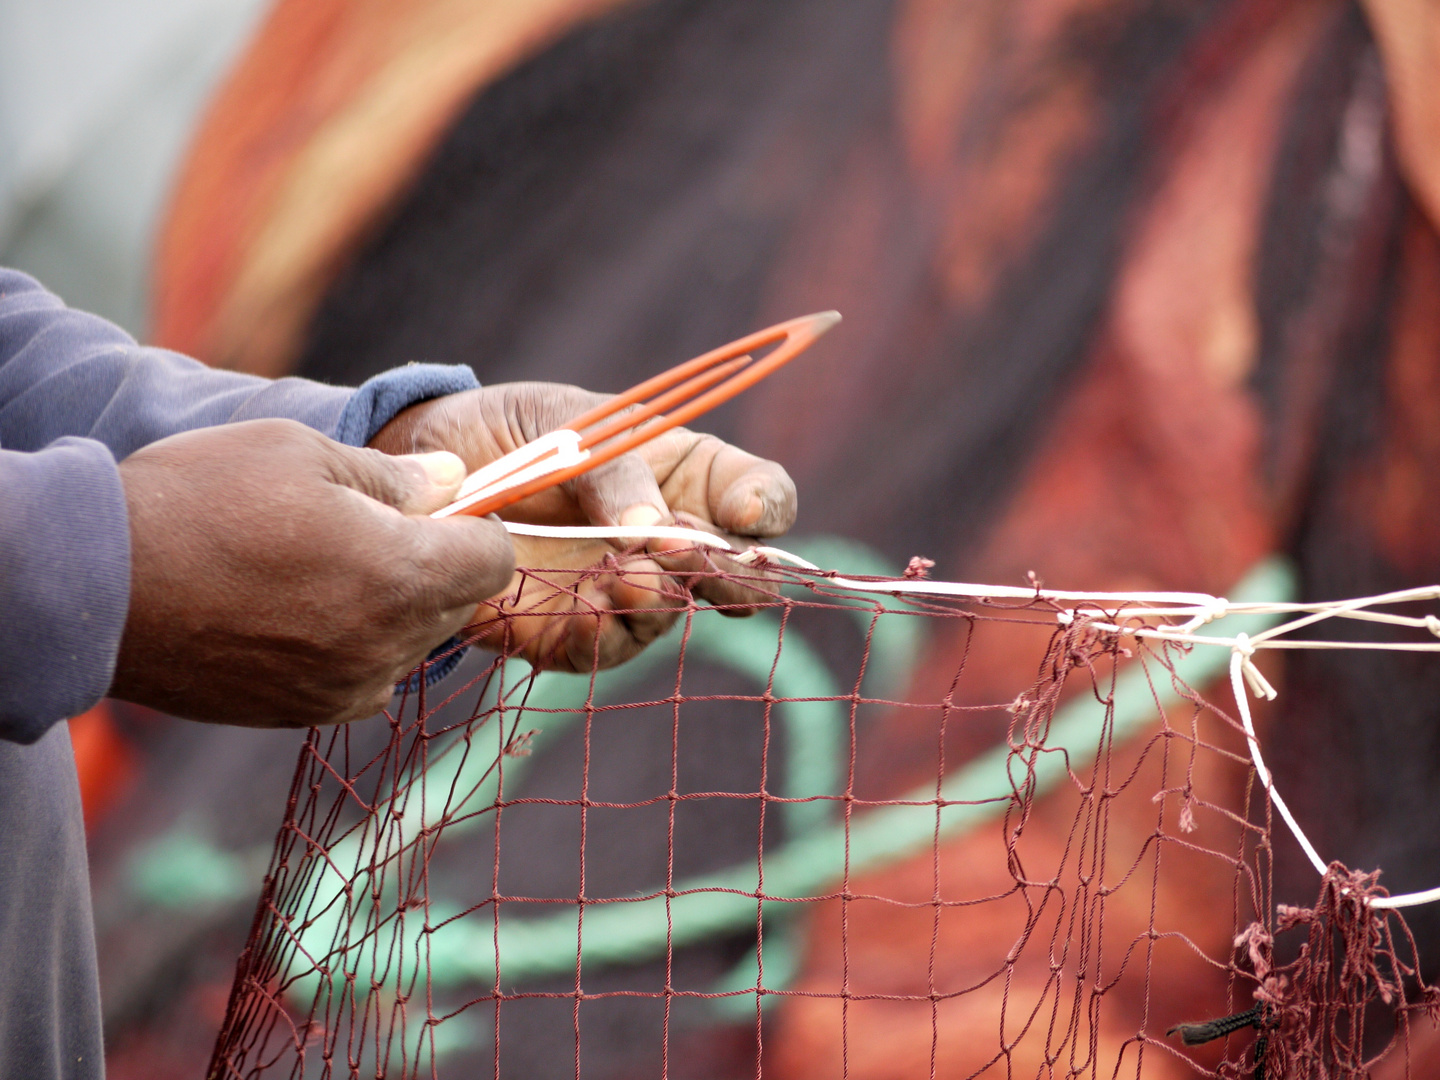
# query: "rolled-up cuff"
64 582
380 399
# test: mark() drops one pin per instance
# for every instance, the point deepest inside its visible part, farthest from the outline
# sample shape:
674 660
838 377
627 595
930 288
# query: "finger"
739 492
749 495
647 600
618 615
731 588
709 574
620 492
414 484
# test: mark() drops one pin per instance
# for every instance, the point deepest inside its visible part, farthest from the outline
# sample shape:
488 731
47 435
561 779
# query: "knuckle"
534 408
375 474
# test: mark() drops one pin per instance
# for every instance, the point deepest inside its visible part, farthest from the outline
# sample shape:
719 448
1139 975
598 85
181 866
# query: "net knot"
1216 610
919 567
1258 944
1259 685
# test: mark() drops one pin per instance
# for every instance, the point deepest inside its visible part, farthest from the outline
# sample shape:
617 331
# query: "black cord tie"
1210 1030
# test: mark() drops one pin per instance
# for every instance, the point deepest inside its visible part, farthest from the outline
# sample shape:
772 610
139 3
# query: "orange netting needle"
635 417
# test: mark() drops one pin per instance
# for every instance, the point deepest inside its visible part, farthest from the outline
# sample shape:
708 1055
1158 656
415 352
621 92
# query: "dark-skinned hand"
282 579
681 477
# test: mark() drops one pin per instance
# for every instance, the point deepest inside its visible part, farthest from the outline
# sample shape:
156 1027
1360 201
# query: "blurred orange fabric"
105 761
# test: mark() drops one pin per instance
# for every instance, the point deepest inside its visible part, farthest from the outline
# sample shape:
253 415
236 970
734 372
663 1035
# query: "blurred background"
98 102
1137 292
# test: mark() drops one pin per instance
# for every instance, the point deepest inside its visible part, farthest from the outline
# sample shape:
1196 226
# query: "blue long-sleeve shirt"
77 394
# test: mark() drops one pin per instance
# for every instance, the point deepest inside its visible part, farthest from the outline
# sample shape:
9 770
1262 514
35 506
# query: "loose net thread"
356 966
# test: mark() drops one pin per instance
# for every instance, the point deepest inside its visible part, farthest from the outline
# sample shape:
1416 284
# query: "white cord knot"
1432 623
1259 685
1217 609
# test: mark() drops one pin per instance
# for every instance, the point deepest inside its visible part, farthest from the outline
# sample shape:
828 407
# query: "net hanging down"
886 827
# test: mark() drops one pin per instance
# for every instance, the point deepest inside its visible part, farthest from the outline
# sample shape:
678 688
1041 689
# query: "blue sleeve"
77 394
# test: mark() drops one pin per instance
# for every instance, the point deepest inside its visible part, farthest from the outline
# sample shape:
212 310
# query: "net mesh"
971 837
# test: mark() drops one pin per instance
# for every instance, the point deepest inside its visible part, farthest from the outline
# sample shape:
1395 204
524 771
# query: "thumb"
462 560
414 484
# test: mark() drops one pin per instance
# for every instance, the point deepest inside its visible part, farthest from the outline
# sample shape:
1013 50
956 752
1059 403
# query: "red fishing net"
857 835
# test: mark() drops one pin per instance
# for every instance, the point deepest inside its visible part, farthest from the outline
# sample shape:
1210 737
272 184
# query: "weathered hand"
680 471
280 579
693 479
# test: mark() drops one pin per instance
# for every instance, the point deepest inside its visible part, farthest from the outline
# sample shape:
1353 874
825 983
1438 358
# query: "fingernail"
754 512
743 510
442 468
641 515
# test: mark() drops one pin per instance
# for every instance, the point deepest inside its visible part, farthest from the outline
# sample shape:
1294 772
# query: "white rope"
1241 666
1198 609
619 532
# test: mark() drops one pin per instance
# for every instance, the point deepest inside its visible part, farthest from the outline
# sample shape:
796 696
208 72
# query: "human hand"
279 579
681 477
